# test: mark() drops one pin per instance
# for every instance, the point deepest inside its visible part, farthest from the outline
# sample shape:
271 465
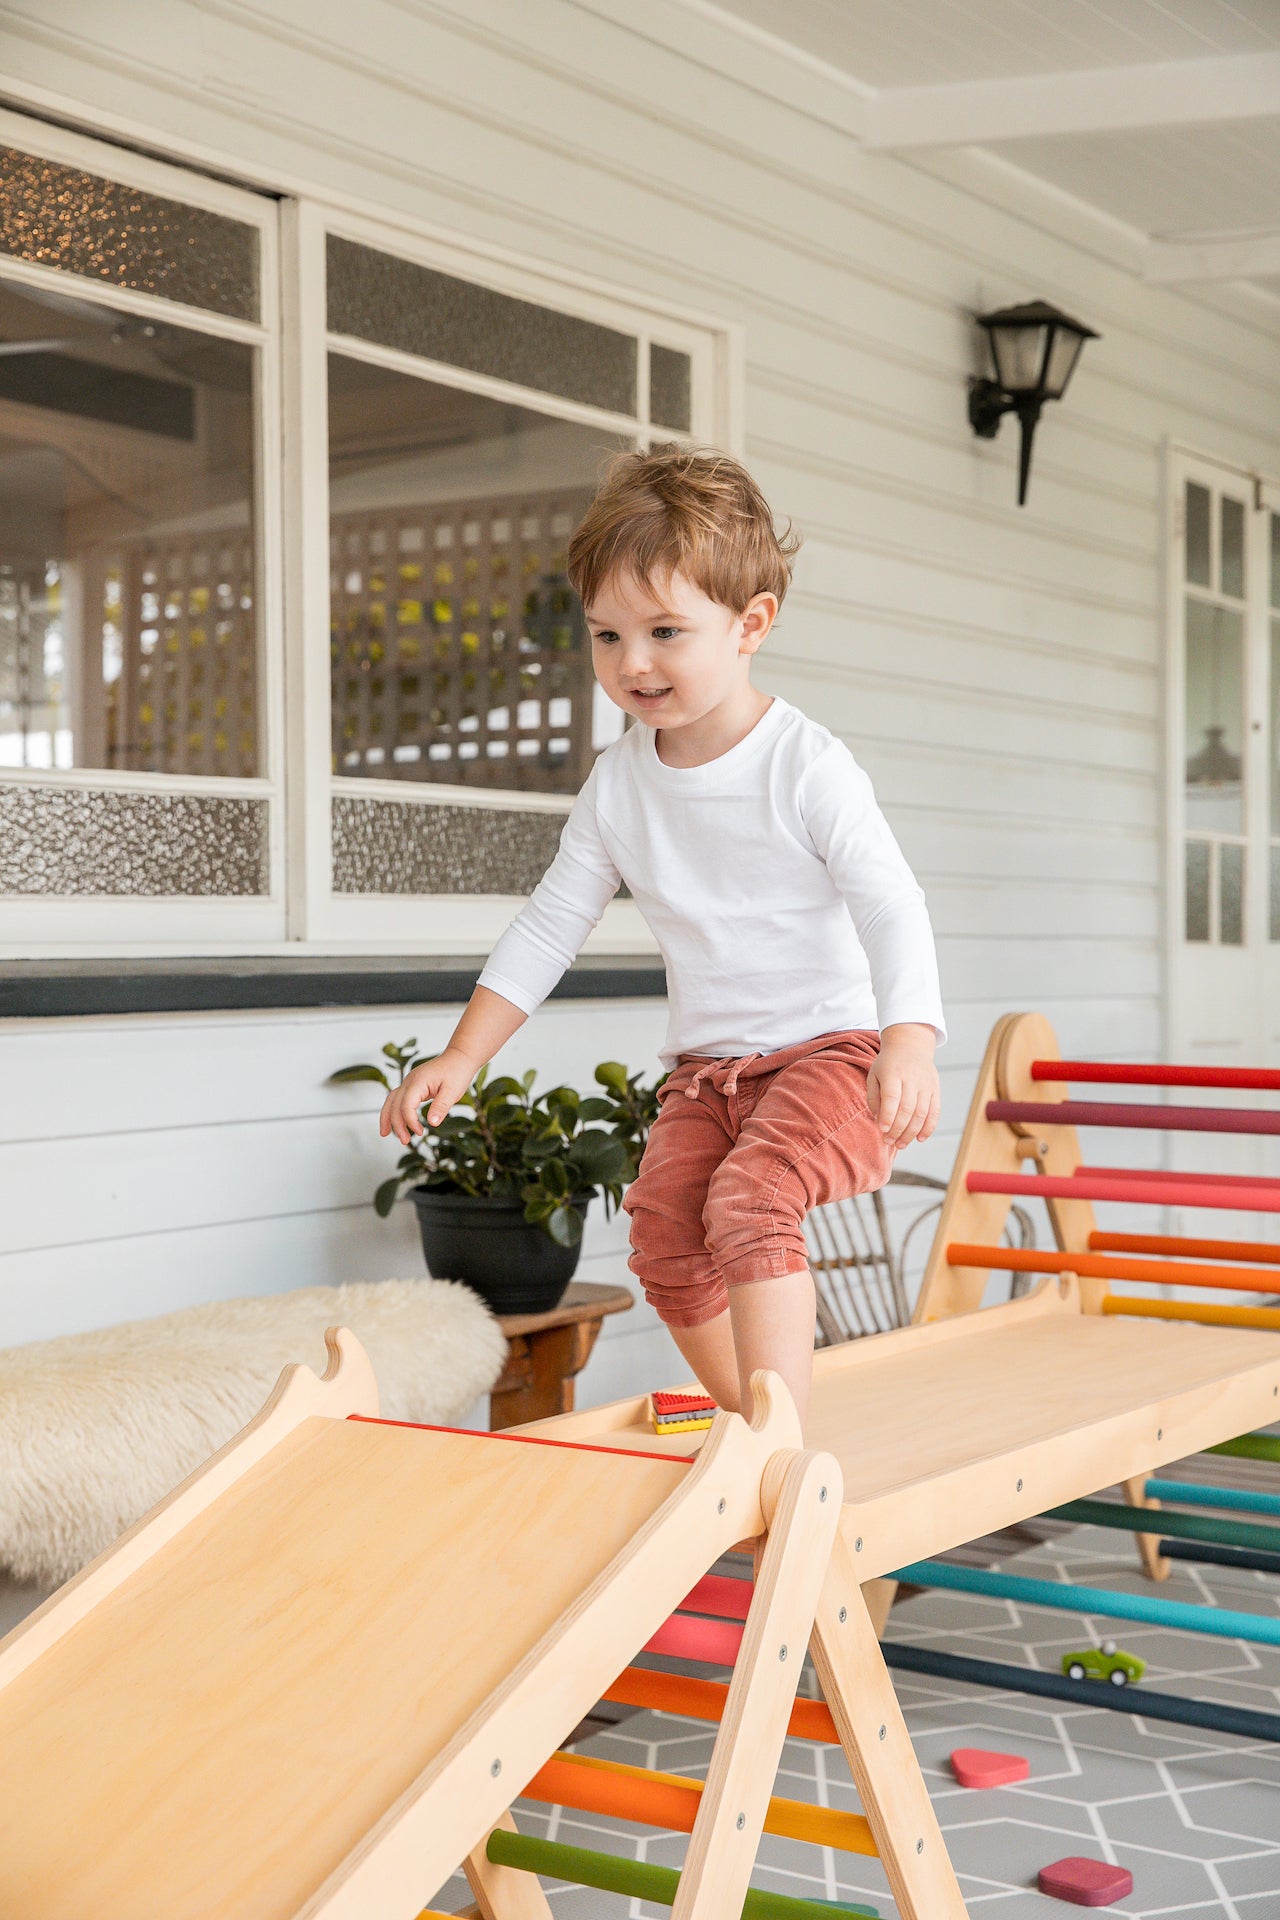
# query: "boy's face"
667 653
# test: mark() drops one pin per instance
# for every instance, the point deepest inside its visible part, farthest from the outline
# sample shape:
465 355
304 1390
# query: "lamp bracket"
988 404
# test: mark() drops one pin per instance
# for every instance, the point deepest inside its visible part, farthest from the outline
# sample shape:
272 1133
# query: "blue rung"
1227 1625
1185 1493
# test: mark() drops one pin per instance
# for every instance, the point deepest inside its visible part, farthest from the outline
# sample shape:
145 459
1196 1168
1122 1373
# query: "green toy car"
1107 1662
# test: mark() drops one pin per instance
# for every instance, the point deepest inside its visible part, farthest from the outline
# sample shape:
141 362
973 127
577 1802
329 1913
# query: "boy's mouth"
649 696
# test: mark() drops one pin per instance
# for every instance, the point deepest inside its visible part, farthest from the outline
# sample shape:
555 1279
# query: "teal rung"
1187 1493
1219 1621
642 1879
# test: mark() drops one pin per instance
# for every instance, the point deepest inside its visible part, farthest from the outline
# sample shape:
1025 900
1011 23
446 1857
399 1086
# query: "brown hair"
695 511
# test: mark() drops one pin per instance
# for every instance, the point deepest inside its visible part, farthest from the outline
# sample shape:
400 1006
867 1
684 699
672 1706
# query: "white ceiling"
1164 114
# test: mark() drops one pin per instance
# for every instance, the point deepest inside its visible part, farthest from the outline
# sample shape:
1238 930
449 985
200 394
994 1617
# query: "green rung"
1174 1526
641 1879
1250 1446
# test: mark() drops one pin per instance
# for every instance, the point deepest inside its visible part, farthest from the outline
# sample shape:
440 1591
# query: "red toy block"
1085 1883
975 1767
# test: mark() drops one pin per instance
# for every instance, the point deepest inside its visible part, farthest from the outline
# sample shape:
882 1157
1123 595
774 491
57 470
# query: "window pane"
376 296
1231 893
458 649
1233 547
60 217
670 388
1274 748
1198 535
1275 559
127 619
1197 878
1273 917
1214 717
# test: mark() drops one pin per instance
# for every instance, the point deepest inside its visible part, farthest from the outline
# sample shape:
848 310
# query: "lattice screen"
459 650
180 656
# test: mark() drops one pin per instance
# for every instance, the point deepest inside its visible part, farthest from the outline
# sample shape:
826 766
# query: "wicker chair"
860 1272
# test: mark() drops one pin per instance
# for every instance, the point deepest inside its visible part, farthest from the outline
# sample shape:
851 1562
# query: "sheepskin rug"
96 1427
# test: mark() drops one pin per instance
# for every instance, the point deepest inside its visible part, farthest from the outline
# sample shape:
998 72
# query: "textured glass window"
60 840
128 620
1215 717
670 388
397 303
60 217
402 847
1198 506
1231 893
458 648
1198 856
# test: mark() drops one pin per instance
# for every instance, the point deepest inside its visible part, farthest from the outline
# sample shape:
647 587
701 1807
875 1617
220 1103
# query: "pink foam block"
975 1767
1085 1883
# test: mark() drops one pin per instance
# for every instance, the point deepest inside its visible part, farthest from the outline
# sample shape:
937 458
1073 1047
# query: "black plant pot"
513 1266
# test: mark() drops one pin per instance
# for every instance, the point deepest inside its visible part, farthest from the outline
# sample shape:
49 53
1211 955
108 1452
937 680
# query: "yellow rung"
1210 1314
791 1819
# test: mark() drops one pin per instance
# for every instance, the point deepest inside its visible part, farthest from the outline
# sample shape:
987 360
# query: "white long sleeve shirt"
781 902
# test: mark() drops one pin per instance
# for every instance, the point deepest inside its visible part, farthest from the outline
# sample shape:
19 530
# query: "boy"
803 986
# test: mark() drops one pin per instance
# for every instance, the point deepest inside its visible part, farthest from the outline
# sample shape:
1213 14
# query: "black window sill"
45 989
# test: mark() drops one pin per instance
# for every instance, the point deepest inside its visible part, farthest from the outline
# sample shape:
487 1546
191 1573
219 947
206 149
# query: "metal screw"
1159 1433
919 1846
882 1732
822 1493
742 1821
857 1545
782 1653
496 1768
723 1504
1019 1488
843 1615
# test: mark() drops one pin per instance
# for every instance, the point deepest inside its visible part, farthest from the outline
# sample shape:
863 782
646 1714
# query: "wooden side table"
546 1351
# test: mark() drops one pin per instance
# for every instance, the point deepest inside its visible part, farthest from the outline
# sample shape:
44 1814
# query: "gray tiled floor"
1195 1816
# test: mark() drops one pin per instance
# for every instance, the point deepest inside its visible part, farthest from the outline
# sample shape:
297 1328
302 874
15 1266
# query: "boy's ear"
757 618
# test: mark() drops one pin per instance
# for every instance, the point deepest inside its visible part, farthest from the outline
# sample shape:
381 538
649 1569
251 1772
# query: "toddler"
803 986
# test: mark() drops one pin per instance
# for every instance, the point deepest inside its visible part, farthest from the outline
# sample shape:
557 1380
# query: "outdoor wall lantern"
1034 349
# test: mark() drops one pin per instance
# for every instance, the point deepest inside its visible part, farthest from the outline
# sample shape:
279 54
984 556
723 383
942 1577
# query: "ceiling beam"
1224 258
1106 99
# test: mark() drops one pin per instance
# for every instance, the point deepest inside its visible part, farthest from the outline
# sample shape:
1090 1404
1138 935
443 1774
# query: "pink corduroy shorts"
740 1152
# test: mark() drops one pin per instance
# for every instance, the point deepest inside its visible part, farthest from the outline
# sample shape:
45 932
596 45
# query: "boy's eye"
605 636
665 633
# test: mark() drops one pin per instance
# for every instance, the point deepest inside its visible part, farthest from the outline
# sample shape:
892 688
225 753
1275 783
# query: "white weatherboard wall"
998 671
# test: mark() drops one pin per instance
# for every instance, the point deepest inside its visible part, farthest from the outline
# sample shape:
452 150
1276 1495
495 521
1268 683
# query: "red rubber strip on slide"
1118 1074
1122 1113
1149 1189
529 1440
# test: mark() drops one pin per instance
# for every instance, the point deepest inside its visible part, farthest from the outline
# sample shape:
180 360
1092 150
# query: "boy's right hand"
437 1084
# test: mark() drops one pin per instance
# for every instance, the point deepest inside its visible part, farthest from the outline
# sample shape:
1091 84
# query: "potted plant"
502 1184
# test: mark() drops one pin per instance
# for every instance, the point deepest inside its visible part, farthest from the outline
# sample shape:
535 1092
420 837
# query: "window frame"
34 925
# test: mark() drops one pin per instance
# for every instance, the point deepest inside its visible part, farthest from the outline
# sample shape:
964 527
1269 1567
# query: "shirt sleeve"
884 898
546 935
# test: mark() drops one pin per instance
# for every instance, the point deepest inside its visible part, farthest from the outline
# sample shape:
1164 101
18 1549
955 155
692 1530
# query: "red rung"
686 1637
715 1593
1193 1179
1119 1113
1167 1191
1120 1074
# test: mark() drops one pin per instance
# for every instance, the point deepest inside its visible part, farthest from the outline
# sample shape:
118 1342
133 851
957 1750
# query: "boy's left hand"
902 1085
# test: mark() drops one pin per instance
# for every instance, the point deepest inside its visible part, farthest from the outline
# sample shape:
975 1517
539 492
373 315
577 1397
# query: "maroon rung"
1119 1113
1157 1190
1118 1073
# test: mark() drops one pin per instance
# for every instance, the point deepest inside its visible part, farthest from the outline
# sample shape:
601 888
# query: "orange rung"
591 1785
704 1700
1207 1312
1263 1250
1096 1266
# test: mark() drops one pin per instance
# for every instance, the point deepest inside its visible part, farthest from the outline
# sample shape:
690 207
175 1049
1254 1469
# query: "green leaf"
600 1157
612 1074
594 1108
386 1196
359 1073
565 1226
504 1089
527 1079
